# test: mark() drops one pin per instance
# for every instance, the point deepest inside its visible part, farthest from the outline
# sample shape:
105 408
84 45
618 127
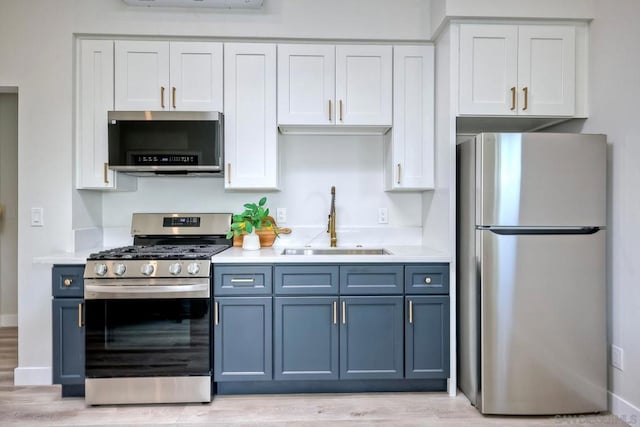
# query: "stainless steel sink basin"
334 251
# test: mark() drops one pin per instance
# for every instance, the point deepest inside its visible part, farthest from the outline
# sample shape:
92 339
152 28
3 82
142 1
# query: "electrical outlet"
281 215
383 216
617 357
37 219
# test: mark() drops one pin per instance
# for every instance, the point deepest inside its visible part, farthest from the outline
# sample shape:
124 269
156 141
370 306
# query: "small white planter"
251 242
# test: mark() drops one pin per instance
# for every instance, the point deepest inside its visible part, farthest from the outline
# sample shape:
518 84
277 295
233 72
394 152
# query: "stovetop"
159 252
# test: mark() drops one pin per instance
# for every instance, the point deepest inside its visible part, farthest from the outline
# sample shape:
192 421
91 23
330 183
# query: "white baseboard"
624 410
32 376
8 320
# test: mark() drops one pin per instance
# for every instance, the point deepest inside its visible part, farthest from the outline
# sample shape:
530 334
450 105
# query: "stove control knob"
175 269
193 268
147 269
119 269
100 269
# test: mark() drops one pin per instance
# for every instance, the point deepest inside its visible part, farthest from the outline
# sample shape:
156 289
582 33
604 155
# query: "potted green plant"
255 218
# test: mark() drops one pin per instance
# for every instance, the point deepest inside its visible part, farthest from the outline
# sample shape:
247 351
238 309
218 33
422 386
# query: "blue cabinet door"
68 341
242 339
427 337
306 338
371 337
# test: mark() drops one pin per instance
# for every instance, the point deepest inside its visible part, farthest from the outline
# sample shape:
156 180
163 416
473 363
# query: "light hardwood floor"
43 406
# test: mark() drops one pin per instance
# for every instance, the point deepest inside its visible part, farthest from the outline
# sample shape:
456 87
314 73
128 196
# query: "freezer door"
541 179
543 325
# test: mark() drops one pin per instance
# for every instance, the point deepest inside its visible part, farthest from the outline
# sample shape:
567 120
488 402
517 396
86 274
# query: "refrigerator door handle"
515 231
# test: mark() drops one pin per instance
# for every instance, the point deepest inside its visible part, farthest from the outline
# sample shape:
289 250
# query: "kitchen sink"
335 251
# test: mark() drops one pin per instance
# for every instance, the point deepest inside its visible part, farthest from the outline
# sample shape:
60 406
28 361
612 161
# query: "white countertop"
399 254
403 243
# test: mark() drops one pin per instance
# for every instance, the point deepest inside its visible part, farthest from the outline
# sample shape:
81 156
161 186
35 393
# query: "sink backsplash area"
352 237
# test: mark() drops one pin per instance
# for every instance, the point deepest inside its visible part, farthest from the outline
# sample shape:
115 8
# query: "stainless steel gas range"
147 313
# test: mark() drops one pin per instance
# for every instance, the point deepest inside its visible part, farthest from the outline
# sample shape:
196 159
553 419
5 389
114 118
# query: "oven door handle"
200 290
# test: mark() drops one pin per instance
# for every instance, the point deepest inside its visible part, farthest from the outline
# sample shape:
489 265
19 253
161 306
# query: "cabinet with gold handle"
513 98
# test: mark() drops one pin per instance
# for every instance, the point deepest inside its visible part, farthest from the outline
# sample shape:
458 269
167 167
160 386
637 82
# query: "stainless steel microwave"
166 142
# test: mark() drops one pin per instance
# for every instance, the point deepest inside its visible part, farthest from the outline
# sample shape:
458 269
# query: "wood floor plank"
38 406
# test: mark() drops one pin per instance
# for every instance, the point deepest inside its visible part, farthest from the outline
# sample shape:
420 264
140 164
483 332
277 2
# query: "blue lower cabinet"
306 338
68 341
242 339
371 337
427 337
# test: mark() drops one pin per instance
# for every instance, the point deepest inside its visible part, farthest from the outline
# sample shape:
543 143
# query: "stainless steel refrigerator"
531 272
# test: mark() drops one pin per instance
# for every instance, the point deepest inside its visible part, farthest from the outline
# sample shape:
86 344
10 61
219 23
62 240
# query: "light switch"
37 217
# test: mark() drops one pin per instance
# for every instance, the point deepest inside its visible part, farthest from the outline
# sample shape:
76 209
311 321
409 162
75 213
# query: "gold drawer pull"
80 323
216 318
427 280
330 110
335 312
162 96
173 97
513 98
341 110
526 98
344 312
105 173
243 280
67 282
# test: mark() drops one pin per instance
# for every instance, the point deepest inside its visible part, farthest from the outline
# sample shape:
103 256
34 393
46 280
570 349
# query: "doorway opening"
8 207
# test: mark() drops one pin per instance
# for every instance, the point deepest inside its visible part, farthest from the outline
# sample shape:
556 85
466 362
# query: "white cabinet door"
546 70
250 116
306 84
488 69
95 98
196 76
141 75
364 84
409 155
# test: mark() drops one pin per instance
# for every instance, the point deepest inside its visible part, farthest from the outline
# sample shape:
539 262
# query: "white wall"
9 201
614 92
310 165
36 47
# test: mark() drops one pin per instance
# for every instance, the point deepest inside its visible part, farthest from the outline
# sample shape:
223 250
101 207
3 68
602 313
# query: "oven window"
141 338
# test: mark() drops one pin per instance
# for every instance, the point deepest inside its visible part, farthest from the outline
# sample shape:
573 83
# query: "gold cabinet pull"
80 323
526 98
399 171
162 96
427 280
335 312
216 318
513 98
344 312
243 280
410 311
228 173
341 110
67 282
330 110
105 172
173 97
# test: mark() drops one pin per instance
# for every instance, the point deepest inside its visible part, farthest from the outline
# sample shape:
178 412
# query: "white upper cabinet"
363 85
250 130
409 146
508 70
95 98
345 85
157 75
